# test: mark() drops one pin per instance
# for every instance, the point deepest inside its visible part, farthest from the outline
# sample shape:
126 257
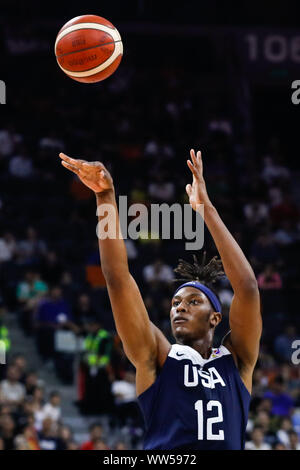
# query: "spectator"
273 172
282 403
20 361
52 408
120 445
265 405
48 436
31 250
20 165
25 414
160 190
72 446
31 382
4 333
267 425
8 140
138 194
220 124
8 247
51 268
83 310
151 148
29 292
263 251
5 410
256 212
130 249
269 279
127 409
285 211
7 431
291 376
20 443
37 407
259 382
99 444
52 314
66 436
294 443
257 440
278 446
225 295
12 392
96 433
283 431
69 286
95 365
296 419
158 272
28 440
32 287
51 142
286 234
275 196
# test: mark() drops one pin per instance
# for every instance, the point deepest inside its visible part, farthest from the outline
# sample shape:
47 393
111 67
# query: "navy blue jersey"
196 403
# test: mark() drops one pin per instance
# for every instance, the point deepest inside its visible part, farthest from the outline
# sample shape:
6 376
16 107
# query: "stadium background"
194 75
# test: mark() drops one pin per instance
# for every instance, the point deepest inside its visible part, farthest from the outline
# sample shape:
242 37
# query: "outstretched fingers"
192 168
71 167
199 160
196 164
193 157
75 162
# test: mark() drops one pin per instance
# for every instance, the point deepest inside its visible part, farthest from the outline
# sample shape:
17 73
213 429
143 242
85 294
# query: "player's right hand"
93 174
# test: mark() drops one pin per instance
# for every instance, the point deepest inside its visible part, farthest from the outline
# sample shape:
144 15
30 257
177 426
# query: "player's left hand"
197 190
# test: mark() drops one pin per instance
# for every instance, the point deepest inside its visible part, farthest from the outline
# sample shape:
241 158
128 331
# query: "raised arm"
245 317
141 340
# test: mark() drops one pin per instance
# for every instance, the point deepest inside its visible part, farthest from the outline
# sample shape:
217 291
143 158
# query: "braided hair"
207 274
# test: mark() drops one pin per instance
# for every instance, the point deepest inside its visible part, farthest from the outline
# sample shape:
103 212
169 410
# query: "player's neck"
202 346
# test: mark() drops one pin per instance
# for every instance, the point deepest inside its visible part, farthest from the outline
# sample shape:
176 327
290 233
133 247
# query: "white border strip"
118 51
114 33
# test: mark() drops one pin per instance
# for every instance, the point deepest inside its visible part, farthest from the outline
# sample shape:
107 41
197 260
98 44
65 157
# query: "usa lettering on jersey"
194 374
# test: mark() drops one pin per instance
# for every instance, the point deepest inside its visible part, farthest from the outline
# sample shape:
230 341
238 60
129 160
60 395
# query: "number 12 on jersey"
210 421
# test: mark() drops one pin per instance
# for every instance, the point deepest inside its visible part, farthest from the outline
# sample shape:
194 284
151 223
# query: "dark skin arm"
244 317
144 345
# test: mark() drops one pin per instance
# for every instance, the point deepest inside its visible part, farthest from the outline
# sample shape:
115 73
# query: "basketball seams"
87 19
94 66
99 68
86 49
97 77
114 33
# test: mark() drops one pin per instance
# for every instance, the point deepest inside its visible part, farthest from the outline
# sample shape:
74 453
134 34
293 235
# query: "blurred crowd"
141 125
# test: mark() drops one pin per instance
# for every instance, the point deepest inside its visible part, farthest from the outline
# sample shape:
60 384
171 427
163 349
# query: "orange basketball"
88 48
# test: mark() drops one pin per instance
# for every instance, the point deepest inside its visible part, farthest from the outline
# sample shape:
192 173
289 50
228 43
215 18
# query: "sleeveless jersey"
196 403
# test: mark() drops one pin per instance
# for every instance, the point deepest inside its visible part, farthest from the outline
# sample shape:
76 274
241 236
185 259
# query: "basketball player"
192 396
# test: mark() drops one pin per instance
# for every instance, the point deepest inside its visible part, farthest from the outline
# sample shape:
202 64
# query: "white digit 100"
210 421
274 48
